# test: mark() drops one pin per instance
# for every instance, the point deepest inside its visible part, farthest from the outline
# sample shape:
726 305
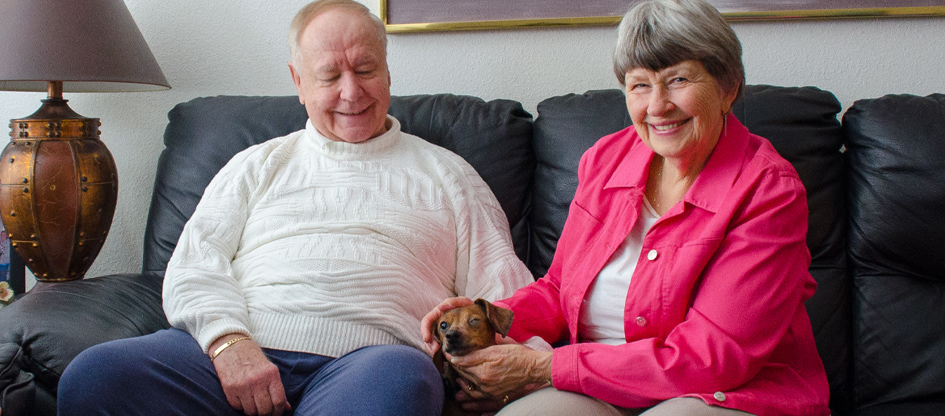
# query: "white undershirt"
602 315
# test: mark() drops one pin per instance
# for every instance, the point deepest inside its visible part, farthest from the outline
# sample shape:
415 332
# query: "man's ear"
297 80
499 318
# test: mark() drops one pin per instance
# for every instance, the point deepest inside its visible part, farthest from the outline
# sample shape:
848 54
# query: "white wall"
214 47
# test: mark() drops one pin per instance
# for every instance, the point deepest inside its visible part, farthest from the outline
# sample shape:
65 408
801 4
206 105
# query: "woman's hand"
249 380
503 371
430 341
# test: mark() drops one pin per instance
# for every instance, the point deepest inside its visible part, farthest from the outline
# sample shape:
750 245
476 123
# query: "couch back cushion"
203 134
896 153
802 125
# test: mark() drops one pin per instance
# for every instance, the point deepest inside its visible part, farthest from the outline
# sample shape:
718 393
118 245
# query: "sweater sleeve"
201 295
486 264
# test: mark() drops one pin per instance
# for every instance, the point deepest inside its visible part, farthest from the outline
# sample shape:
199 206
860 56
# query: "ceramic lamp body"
58 182
58 189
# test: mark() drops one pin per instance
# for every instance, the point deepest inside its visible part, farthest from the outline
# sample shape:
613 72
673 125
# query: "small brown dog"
461 331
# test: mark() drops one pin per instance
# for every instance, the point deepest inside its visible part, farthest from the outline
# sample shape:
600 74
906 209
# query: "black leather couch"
876 191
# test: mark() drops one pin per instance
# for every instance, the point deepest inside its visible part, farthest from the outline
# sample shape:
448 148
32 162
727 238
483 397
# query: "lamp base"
58 190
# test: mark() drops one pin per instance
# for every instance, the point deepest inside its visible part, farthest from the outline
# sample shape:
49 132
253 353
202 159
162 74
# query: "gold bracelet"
227 345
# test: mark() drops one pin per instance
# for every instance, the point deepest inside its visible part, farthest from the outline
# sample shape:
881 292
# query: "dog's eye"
444 326
474 322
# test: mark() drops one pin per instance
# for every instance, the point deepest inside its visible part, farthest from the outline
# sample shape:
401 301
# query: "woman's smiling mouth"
669 126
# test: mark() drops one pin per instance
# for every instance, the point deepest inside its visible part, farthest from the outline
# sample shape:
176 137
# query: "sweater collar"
377 144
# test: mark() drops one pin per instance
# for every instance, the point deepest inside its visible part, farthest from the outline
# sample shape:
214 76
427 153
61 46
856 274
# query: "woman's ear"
728 98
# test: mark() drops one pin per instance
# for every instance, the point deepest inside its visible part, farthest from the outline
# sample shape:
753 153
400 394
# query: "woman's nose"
660 102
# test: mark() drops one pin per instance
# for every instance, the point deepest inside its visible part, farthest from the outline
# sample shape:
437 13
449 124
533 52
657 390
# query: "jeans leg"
165 373
379 380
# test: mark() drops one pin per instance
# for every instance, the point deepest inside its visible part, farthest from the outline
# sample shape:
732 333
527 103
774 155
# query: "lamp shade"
89 45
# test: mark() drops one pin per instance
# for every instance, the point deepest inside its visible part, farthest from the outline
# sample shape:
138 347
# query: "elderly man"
301 278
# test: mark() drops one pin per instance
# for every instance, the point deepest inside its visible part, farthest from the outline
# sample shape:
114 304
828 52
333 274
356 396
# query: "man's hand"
429 340
251 383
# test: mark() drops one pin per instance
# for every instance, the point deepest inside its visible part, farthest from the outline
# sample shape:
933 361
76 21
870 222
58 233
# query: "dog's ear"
499 318
435 330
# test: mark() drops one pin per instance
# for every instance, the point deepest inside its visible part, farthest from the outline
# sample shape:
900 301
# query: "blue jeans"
167 373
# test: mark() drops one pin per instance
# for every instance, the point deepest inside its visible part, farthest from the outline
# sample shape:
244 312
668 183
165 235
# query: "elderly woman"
679 280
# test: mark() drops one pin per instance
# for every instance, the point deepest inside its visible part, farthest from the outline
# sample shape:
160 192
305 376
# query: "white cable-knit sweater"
324 247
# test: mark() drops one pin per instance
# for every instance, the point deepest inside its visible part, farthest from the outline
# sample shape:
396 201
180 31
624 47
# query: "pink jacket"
716 305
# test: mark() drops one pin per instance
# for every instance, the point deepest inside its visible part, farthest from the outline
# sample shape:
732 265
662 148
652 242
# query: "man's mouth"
357 113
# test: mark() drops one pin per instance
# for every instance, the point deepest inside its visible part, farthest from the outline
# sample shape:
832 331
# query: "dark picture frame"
402 16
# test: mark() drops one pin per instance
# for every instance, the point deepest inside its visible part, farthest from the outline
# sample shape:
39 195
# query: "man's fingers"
249 405
263 403
453 303
235 402
425 323
469 390
279 402
250 381
432 348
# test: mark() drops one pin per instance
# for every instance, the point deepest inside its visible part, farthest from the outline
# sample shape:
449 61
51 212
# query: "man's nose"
350 87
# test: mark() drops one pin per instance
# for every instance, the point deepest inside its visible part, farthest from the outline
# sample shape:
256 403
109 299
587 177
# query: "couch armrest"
45 329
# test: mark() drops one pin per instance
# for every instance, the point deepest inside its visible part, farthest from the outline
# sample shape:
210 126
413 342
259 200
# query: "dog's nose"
453 335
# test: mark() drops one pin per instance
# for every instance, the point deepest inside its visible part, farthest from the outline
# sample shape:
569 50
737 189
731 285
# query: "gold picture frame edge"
398 28
501 24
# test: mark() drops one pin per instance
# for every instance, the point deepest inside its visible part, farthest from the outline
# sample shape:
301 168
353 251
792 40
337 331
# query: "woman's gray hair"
656 34
315 8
